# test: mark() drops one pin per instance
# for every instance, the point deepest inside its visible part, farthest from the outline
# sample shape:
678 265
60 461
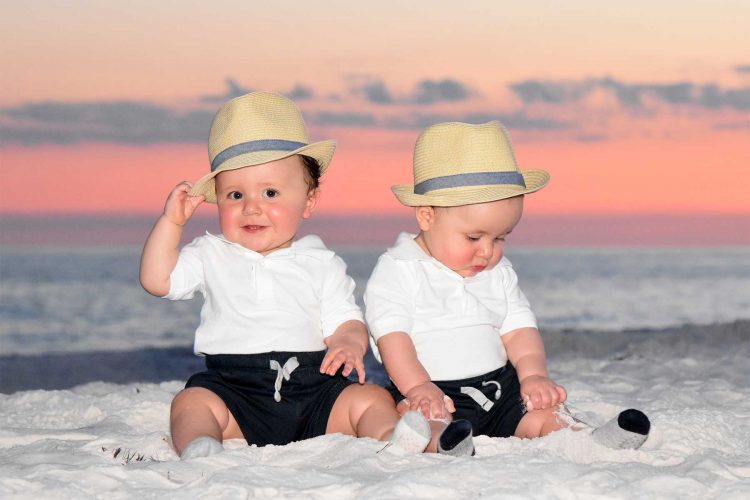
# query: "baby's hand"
347 352
541 392
428 398
180 205
402 407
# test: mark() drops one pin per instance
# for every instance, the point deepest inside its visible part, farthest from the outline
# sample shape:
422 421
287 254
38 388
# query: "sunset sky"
633 107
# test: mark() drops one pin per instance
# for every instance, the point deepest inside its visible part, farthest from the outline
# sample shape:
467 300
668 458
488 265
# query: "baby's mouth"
252 228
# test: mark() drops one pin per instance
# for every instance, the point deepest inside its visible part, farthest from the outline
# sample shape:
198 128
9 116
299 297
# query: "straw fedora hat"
460 164
257 128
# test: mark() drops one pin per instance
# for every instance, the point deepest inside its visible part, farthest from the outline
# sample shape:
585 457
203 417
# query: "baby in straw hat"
449 321
279 326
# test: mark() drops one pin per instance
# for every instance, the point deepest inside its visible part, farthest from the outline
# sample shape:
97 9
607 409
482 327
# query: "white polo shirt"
289 300
455 322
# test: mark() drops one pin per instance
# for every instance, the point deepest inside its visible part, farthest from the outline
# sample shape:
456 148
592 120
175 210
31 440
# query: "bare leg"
368 411
629 430
364 411
537 423
437 427
199 412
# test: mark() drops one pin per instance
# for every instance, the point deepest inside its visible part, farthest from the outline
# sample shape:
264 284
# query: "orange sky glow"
629 176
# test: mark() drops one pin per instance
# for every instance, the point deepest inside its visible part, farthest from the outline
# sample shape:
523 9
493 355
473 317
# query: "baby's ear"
425 217
311 203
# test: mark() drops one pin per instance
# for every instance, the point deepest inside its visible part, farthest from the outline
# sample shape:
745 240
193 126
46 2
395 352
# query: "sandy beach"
110 437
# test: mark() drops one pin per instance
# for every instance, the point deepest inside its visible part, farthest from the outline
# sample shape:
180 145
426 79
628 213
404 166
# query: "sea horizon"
375 230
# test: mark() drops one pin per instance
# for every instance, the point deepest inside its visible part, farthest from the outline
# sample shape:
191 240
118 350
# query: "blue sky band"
254 147
470 179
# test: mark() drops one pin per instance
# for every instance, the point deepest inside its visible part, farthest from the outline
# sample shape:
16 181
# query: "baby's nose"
251 206
486 249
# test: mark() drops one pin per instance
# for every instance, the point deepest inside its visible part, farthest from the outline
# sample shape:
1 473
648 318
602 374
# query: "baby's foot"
457 440
412 433
203 446
626 432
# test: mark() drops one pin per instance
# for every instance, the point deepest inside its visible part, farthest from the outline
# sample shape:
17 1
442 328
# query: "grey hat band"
254 147
469 179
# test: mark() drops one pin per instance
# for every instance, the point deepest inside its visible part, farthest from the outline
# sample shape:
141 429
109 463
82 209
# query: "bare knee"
199 412
539 423
367 396
363 410
198 399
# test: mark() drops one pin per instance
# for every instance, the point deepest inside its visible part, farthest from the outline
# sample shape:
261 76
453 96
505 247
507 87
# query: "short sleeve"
337 303
519 313
389 298
188 275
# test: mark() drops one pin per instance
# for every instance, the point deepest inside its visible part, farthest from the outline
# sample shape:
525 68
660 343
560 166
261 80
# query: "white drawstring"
282 373
499 389
479 397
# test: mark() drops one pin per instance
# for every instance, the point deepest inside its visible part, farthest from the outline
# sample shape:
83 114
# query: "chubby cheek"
496 255
226 217
458 256
284 217
230 221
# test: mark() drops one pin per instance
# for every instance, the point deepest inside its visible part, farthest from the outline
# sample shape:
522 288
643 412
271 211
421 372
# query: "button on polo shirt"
288 300
455 322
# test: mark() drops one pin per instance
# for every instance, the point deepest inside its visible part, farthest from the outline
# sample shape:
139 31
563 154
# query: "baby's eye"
500 238
235 195
270 193
473 238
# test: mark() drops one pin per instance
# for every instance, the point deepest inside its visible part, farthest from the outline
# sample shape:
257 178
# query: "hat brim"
206 186
534 179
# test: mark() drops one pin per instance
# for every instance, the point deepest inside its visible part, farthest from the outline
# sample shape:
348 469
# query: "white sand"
104 440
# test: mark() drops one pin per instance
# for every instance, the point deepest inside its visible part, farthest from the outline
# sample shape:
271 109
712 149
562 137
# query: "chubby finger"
335 365
437 409
359 365
527 402
546 399
554 397
328 361
449 404
415 404
403 406
536 401
184 186
562 393
425 407
196 200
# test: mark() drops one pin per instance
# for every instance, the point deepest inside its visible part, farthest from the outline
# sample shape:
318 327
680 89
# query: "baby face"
262 206
468 239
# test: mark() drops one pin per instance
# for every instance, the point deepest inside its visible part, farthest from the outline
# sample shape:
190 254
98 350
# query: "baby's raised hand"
541 392
430 400
180 205
347 352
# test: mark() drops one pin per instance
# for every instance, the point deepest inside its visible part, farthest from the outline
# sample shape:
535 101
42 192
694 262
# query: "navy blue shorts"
491 402
273 398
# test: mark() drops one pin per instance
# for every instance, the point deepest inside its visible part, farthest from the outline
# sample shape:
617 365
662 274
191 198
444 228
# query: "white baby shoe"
203 446
412 433
457 439
628 431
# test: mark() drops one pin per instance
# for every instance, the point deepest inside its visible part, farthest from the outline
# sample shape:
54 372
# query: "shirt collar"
406 248
309 246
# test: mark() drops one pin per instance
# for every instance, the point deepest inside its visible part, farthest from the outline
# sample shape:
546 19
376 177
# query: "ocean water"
89 299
